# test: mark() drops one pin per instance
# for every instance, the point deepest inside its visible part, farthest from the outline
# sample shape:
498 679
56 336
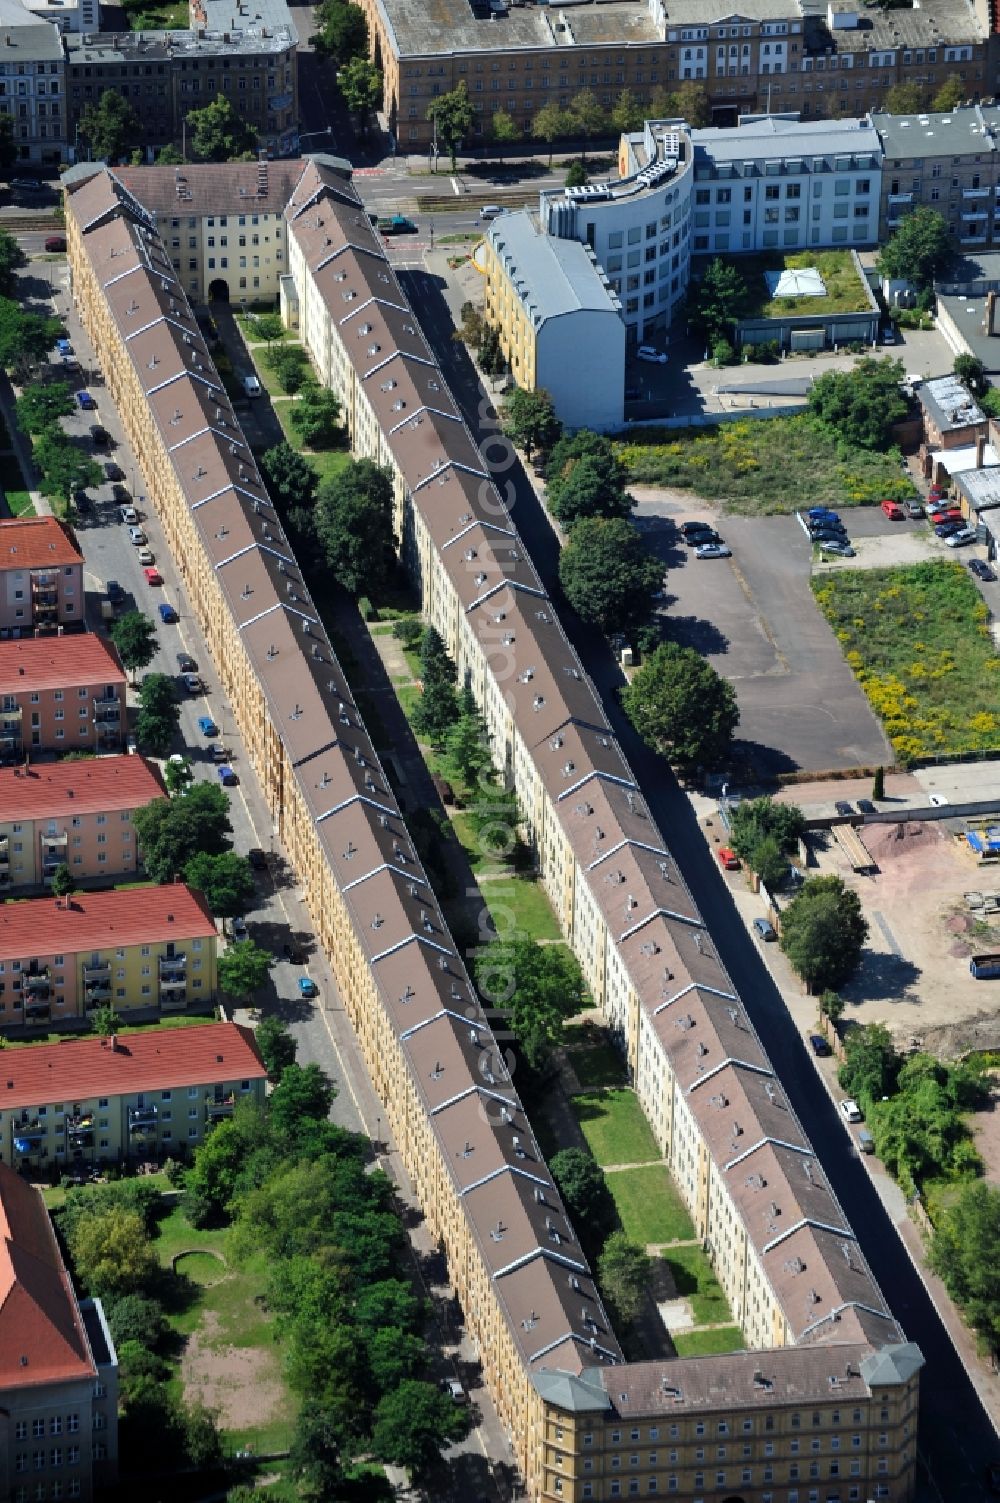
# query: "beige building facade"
530 1303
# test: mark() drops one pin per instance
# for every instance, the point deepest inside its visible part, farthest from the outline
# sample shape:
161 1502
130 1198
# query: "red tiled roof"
42 1339
159 1060
50 790
103 921
57 662
36 543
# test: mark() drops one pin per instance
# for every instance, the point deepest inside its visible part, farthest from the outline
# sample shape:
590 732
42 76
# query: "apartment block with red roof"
79 813
146 951
101 1101
58 1367
41 577
60 694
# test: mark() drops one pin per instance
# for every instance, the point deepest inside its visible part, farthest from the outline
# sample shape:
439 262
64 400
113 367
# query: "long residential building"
77 812
60 694
92 1102
583 1423
58 1365
142 951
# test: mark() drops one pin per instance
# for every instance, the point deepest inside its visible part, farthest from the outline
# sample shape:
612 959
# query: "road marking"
456 187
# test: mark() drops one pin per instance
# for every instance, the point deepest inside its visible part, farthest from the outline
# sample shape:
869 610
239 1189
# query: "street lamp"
304 134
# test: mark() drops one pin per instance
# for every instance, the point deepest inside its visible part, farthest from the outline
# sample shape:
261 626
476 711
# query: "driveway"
754 618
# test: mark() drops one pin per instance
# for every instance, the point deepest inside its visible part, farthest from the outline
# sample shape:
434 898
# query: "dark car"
686 528
866 806
697 539
294 953
82 502
257 858
115 591
186 663
844 808
826 527
99 436
113 471
819 1045
122 497
55 243
765 929
947 529
982 571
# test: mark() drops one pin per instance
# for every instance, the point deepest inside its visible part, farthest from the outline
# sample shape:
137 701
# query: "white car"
713 550
960 538
851 1111
646 352
251 386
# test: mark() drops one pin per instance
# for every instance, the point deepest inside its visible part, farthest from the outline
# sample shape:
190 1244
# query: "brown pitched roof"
37 543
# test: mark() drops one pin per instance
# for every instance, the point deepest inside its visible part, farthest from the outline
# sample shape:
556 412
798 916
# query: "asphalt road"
957 1437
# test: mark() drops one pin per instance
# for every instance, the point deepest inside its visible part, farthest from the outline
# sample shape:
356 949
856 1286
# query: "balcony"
221 1105
37 1012
35 984
29 1128
173 965
976 193
970 215
107 712
141 1118
173 998
96 994
96 970
80 1130
900 198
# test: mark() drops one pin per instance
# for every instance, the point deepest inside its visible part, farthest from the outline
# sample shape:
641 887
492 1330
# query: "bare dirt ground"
915 974
239 1384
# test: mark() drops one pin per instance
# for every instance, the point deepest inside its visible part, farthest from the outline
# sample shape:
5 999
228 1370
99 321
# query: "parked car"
893 510
839 546
981 570
949 514
889 335
55 243
490 211
239 928
217 751
207 726
819 1045
99 437
293 953
865 806
962 537
307 987
129 516
85 401
168 615
827 530
226 775
186 663
947 529
192 683
82 502
454 1390
687 528
137 537
851 1111
702 536
251 386
153 575
765 929
648 353
815 512
713 550
115 591
257 858
146 557
844 808
113 471
728 859
914 508
26 185
64 347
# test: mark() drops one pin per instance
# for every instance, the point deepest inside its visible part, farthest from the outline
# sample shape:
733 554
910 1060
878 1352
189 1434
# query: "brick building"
41 577
60 694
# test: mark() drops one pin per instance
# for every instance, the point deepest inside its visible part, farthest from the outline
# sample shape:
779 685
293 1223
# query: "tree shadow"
883 978
693 631
754 759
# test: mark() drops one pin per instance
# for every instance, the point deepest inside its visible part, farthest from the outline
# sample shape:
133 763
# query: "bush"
409 631
367 610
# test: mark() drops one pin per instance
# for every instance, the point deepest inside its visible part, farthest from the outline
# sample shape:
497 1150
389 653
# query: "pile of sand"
886 841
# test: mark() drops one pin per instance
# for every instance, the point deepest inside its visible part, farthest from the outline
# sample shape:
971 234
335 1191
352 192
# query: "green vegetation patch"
520 906
200 1267
919 643
614 1127
760 466
171 16
708 1343
845 292
649 1207
13 487
695 1281
596 1065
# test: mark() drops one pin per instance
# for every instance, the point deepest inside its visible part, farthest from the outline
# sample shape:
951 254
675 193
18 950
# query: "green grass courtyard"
614 1126
648 1205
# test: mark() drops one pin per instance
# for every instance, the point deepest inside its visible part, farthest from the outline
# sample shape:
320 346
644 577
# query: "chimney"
980 450
114 1041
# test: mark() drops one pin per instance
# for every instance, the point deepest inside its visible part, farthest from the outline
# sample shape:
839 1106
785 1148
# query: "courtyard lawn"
845 292
520 908
708 1343
757 466
918 640
695 1280
614 1127
596 1064
648 1205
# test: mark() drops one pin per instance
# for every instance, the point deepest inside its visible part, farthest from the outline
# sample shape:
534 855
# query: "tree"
904 99
768 861
343 31
276 1044
413 1423
134 635
65 468
823 932
467 748
105 1021
871 1063
624 1268
504 129
588 117
963 1253
315 1455
135 1317
951 94
11 258
290 364
393 1356
110 126
112 1252
529 420
861 405
918 249
453 117
201 1440
608 574
178 775
354 516
582 1185
437 708
25 338
361 87
63 882
756 819
226 881
971 371
170 831
682 708
718 301
495 817
159 714
878 784
40 407
218 132
549 124
576 175
169 156
593 487
691 104
831 1007
627 112
291 480
536 987
243 969
315 417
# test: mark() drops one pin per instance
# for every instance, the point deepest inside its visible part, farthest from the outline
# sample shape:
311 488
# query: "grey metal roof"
949 403
892 1364
956 133
30 36
552 276
583 1393
769 136
981 488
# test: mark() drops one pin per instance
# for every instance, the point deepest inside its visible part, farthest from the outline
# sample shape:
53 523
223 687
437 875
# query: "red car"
728 860
153 576
951 514
893 510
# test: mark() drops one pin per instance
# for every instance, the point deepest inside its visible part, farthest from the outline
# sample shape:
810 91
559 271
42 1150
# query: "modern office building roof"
42 1337
37 543
58 790
156 1060
104 921
550 275
760 138
73 660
